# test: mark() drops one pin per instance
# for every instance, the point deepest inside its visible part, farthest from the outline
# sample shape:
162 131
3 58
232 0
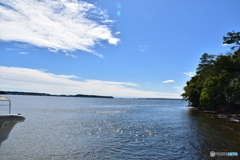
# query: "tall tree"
232 38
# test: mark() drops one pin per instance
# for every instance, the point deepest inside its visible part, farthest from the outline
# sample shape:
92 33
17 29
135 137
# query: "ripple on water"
87 128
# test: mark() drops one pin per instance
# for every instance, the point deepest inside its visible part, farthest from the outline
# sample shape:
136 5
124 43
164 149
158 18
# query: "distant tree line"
24 93
46 94
216 85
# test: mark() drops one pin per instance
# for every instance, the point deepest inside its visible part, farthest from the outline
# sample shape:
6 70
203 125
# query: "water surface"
98 128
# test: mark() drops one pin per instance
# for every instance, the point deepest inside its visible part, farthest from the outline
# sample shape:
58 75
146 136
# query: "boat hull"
7 122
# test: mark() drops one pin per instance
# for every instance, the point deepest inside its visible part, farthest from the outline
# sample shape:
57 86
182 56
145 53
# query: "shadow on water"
210 134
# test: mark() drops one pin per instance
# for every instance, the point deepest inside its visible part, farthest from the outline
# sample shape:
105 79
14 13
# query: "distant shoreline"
46 94
159 98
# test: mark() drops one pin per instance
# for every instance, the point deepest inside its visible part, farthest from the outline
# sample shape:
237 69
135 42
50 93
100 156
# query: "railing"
2 98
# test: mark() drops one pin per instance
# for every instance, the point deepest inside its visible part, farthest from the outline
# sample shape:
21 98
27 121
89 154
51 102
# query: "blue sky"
124 48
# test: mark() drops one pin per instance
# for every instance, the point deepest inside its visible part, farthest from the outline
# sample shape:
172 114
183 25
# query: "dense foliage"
216 85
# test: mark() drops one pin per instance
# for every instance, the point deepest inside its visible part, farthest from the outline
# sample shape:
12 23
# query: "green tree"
217 82
206 62
192 91
233 37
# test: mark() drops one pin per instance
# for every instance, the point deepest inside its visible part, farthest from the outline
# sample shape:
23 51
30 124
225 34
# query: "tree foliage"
216 84
233 37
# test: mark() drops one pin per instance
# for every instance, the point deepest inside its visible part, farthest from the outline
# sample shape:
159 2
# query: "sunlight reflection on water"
87 128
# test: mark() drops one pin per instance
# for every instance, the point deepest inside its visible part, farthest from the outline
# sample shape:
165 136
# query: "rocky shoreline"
227 116
233 117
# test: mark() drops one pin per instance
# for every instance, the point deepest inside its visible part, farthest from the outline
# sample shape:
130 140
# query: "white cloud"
71 55
108 21
178 87
24 46
190 74
113 83
117 33
225 44
168 81
12 49
143 48
65 25
15 78
113 41
23 52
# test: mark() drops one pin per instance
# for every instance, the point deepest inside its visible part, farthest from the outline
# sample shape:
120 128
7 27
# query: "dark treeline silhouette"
46 94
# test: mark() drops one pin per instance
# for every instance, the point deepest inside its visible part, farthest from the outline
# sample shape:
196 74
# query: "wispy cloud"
21 45
108 21
190 74
168 81
117 33
225 44
71 55
12 49
143 48
65 25
113 83
15 78
178 88
23 52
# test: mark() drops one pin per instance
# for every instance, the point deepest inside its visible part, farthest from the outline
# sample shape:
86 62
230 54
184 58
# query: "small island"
46 94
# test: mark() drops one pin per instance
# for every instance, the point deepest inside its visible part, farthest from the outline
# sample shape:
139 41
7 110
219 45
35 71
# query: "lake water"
97 128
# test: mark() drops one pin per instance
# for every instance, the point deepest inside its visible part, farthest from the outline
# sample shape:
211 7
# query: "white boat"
8 121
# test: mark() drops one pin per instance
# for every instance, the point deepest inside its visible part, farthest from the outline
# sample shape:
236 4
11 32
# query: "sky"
120 48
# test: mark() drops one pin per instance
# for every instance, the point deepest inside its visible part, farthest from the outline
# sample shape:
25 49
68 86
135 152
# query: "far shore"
46 94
